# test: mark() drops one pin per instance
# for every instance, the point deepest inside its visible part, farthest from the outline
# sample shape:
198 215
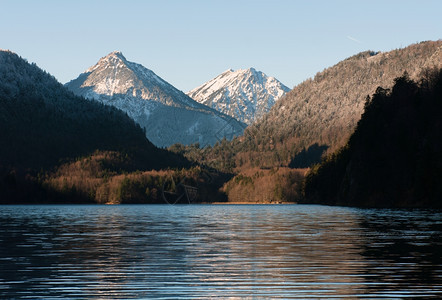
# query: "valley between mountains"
118 133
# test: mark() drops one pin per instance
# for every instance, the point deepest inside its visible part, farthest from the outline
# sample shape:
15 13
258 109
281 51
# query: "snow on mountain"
246 95
168 115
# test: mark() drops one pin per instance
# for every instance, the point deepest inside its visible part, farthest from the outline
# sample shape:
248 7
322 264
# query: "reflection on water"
197 251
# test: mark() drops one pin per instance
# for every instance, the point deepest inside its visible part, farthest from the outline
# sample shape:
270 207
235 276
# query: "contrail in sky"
353 39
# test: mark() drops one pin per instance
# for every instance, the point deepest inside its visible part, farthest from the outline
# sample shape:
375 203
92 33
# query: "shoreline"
249 203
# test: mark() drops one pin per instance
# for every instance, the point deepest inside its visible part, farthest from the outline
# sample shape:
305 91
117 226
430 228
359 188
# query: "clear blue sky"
190 42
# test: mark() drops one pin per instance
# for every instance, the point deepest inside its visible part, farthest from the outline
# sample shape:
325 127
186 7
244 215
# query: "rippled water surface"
203 251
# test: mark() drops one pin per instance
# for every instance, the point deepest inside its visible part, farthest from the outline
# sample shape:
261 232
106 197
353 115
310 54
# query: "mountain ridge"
166 113
244 94
47 123
318 115
326 108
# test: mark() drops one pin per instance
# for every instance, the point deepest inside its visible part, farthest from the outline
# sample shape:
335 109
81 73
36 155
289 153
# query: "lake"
218 251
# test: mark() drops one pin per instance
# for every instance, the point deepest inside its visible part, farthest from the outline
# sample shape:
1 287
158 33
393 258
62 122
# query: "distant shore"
244 202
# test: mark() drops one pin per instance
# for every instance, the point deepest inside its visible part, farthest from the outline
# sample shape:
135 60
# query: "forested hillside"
319 113
312 120
326 109
393 159
43 124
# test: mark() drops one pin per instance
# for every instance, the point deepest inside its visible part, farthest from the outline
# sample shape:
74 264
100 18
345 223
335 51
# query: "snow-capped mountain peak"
168 115
114 58
114 74
245 94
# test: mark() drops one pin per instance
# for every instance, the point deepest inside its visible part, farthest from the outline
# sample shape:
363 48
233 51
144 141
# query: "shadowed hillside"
393 159
42 124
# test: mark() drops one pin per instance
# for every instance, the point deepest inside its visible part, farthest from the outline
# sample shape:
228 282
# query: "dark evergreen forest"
394 157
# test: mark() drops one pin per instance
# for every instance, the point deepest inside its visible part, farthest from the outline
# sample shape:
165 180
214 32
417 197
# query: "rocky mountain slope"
246 95
167 114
